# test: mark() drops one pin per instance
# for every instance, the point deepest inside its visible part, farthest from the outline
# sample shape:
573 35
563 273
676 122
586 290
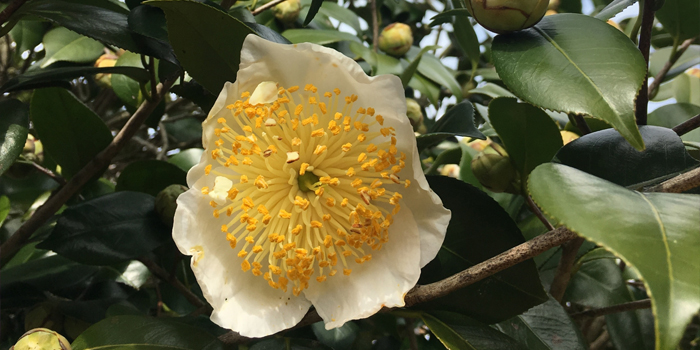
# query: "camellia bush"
380 174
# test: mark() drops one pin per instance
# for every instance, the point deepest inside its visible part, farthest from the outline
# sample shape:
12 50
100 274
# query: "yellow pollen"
346 147
296 141
284 214
361 158
207 169
347 272
316 224
298 110
318 133
302 168
245 265
350 172
320 149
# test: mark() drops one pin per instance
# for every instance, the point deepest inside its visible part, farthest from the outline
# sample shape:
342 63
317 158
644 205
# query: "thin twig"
59 179
563 275
687 126
152 71
633 305
10 9
165 142
536 210
88 172
581 124
602 341
644 46
659 77
681 183
375 26
165 276
264 7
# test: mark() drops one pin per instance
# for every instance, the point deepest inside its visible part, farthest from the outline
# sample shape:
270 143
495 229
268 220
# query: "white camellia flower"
310 192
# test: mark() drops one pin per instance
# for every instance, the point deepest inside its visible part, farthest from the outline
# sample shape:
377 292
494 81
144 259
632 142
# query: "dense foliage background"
102 107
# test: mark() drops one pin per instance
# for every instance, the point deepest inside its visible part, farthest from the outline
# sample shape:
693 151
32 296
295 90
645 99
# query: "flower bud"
165 202
414 113
41 339
396 39
287 11
494 170
693 72
503 16
568 136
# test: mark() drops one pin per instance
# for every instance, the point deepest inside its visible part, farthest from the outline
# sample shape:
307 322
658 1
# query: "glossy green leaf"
431 67
480 229
412 67
680 18
544 327
458 120
186 159
492 90
607 155
71 133
27 34
65 45
4 208
107 230
659 57
674 114
465 166
449 156
466 36
686 89
142 332
313 10
446 16
14 127
654 232
342 14
150 176
186 130
128 90
196 93
574 64
530 136
614 8
48 273
317 36
50 76
457 332
206 41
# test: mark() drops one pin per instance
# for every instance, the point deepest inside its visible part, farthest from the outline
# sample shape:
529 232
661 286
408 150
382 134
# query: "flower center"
303 200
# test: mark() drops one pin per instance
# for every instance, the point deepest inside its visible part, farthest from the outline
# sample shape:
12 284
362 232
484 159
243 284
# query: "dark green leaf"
267 33
206 41
680 18
466 37
48 273
288 344
149 21
446 16
431 67
531 137
27 34
340 338
185 130
671 115
458 120
313 10
4 208
574 64
142 332
661 240
614 8
186 159
45 77
14 125
196 93
659 57
109 229
607 155
480 229
544 327
413 66
150 176
465 166
71 133
62 44
458 332
449 156
127 89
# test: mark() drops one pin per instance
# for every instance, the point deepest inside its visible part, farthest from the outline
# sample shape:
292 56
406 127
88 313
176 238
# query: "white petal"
383 281
242 302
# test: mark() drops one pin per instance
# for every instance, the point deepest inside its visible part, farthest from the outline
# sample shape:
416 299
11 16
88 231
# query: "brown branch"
634 305
644 46
88 172
10 9
563 275
536 210
687 126
680 183
264 7
658 79
165 276
581 124
375 26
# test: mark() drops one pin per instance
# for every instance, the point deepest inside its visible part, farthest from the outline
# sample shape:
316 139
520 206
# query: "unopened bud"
494 171
287 11
396 39
568 136
414 113
165 203
503 16
41 339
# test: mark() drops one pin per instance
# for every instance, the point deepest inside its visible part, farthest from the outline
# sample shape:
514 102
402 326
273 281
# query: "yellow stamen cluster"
289 231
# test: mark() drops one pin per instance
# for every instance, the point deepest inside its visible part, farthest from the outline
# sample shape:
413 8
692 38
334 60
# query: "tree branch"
680 183
634 305
264 7
644 46
10 9
658 79
568 258
536 210
687 126
88 172
375 26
